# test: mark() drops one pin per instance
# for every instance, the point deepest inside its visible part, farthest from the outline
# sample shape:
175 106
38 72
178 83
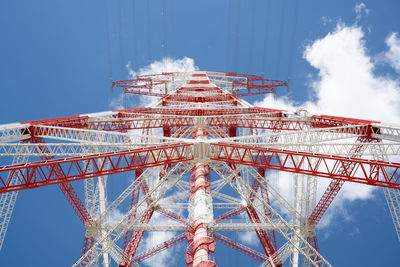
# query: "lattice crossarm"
80 149
38 174
62 149
14 132
372 172
385 132
304 136
94 136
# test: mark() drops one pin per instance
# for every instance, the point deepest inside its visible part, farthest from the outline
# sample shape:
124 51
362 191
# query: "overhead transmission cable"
293 36
279 54
253 22
164 14
135 54
121 48
237 35
109 60
108 41
148 31
171 26
228 35
266 33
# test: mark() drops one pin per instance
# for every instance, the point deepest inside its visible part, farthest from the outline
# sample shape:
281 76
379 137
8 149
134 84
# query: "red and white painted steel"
199 126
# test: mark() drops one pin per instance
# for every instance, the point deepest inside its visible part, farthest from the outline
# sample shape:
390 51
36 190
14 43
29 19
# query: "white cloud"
249 238
115 217
392 56
165 65
346 85
360 9
166 257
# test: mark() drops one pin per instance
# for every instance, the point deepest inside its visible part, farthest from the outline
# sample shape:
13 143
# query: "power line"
171 26
278 61
135 59
293 36
108 40
164 11
266 33
253 21
121 49
148 31
237 35
228 33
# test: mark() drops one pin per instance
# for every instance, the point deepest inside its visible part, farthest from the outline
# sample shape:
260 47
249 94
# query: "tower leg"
298 197
201 242
102 207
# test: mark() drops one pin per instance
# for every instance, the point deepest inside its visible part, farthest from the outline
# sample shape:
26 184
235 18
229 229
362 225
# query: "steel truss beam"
160 247
240 247
36 174
334 187
371 172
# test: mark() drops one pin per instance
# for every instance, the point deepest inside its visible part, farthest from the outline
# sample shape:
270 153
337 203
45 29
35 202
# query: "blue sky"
54 63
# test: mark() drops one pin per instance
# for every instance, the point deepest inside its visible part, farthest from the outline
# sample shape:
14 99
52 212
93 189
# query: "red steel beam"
170 214
200 99
134 201
126 123
371 172
160 247
229 214
335 185
87 245
202 112
36 174
134 242
240 247
263 236
67 189
312 240
244 85
267 208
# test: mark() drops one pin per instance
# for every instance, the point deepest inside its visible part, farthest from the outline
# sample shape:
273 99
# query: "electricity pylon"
203 158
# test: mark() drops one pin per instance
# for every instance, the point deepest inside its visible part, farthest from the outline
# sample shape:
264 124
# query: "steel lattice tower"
197 139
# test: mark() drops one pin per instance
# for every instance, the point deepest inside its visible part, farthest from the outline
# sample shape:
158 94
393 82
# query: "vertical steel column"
102 183
201 241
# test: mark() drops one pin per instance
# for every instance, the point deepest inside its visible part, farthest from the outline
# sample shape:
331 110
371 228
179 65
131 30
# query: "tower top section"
227 82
